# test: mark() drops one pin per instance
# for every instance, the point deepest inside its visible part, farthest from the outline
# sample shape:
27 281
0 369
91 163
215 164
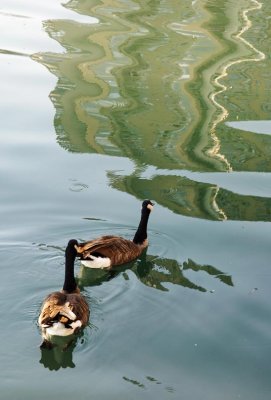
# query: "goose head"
71 248
147 205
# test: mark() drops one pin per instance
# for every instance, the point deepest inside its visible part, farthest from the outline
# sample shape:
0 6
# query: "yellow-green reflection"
142 83
155 82
195 199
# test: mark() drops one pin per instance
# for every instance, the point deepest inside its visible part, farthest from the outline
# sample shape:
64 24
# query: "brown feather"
117 249
55 307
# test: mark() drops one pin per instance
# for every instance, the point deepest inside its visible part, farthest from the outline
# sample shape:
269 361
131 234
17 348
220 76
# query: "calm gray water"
104 104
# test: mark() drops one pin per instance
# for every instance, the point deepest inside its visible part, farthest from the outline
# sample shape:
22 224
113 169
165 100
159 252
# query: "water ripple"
77 186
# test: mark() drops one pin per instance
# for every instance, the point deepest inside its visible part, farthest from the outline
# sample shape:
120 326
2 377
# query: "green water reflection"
195 199
156 273
60 355
155 82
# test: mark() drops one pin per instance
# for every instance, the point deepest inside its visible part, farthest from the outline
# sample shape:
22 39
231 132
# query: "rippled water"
105 103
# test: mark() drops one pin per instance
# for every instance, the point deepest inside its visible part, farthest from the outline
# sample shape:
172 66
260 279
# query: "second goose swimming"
107 251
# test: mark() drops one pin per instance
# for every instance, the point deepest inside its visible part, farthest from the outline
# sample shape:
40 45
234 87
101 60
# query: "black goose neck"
141 233
70 254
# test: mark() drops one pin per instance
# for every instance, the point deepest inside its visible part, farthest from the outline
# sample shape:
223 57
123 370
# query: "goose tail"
96 262
60 329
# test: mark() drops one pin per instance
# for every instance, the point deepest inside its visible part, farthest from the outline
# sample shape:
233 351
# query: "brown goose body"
68 309
65 312
108 251
117 249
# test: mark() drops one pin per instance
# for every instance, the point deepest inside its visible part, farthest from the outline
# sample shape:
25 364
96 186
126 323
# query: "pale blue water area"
104 104
252 126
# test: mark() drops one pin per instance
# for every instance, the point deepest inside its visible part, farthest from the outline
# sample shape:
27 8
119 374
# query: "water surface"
105 103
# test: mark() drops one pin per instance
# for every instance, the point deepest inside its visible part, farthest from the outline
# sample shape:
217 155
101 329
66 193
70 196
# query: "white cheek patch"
97 262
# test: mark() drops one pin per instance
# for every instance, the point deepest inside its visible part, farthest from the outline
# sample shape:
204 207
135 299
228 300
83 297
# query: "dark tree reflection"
155 272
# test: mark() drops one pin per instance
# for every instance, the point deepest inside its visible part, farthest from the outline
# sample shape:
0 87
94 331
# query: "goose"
108 251
65 312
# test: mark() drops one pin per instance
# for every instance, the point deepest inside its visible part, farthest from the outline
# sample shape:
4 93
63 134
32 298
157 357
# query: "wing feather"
117 249
63 308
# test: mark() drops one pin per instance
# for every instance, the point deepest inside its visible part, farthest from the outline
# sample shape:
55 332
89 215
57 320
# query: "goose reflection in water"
60 353
155 272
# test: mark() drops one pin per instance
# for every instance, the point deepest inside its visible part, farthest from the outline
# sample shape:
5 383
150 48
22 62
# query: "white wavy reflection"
259 56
